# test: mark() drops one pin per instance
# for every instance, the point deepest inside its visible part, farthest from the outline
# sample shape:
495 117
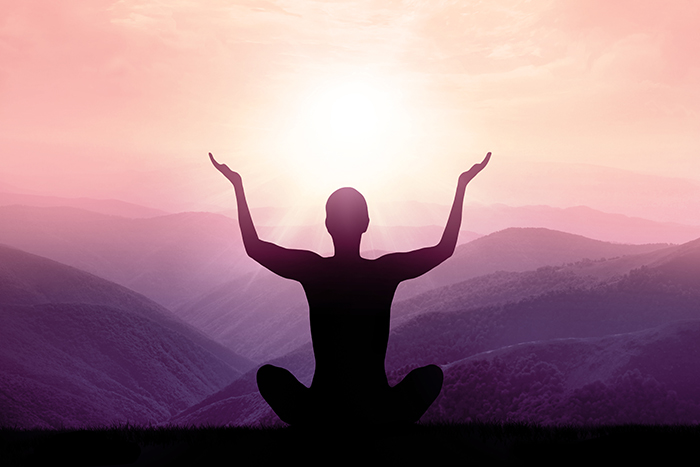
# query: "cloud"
546 77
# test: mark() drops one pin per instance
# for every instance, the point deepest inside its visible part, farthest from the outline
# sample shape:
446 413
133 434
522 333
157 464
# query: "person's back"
349 311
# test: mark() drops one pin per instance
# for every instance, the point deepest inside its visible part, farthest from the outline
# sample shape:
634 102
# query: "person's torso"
349 311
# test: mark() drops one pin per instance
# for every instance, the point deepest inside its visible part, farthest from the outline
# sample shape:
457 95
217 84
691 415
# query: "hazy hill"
240 402
581 220
635 303
76 349
502 287
261 316
675 222
644 377
111 207
645 195
176 258
667 290
605 225
504 309
680 266
169 259
517 250
492 289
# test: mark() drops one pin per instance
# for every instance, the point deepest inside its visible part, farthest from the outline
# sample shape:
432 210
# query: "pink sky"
124 99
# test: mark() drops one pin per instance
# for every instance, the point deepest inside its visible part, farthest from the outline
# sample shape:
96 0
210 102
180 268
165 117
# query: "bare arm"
282 261
415 263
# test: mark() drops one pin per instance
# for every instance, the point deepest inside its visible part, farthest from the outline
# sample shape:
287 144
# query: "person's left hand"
232 176
467 176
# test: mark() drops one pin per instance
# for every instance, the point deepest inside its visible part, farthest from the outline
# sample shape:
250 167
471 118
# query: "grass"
421 444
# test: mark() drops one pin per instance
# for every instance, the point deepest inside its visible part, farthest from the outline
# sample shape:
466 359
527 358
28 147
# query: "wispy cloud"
602 82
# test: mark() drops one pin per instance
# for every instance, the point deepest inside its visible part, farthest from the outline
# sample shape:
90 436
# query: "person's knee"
284 393
416 392
266 377
264 373
428 381
434 373
271 378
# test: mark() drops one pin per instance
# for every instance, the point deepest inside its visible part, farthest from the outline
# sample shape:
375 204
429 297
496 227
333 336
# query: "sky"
581 102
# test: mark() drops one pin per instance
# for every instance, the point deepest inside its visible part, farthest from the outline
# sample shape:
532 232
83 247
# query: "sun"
354 114
348 113
347 133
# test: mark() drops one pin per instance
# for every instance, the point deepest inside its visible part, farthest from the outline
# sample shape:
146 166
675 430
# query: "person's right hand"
467 176
232 176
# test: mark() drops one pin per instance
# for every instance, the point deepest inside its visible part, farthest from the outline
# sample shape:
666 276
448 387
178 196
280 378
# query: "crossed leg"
293 402
287 397
415 393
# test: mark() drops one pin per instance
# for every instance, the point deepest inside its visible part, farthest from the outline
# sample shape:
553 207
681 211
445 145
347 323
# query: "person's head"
346 213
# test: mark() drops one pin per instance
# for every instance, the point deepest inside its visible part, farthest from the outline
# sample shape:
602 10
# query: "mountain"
195 264
177 258
240 402
78 350
503 287
640 300
633 334
613 190
646 377
605 225
497 288
110 207
169 258
263 316
680 266
517 250
581 220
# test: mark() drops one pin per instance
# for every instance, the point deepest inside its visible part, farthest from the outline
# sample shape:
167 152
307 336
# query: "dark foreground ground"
444 444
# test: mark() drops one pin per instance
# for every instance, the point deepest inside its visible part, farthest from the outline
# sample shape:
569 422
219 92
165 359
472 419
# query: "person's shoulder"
388 262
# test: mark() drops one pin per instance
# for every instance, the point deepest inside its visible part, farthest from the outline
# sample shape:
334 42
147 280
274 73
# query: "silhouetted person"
349 306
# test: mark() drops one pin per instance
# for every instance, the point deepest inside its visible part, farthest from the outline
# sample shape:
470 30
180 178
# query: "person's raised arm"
414 263
245 221
448 242
282 261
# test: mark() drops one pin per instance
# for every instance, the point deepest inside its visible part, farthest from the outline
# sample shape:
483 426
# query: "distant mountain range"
528 323
168 258
171 259
644 195
260 315
174 259
78 350
110 207
579 220
516 250
486 219
263 316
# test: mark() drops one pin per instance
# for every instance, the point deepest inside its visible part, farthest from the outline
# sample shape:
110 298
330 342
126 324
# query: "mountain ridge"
642 302
77 350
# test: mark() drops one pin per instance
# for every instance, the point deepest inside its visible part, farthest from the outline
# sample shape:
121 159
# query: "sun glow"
348 134
353 115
